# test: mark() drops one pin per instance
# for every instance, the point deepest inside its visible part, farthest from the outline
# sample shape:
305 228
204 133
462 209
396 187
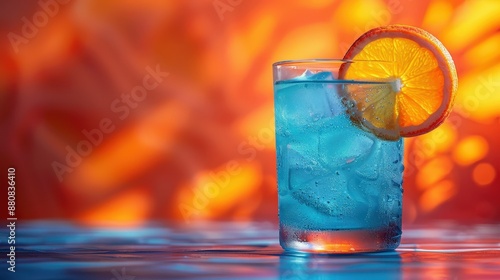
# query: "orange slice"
423 77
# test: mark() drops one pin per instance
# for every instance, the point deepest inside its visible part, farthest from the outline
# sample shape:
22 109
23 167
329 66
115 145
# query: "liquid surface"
332 175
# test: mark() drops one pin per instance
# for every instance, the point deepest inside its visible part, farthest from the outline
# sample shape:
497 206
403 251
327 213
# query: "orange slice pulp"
423 77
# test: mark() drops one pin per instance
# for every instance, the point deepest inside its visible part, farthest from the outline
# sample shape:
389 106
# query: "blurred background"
128 111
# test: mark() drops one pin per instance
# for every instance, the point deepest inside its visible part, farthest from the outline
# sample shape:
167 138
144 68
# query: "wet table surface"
58 250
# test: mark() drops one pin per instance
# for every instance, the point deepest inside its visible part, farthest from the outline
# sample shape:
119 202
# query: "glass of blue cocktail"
339 185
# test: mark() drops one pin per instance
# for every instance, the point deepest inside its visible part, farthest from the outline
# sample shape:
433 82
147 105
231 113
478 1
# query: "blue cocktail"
339 186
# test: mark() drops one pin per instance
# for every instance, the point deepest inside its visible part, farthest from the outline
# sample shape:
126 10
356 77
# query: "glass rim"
325 64
291 62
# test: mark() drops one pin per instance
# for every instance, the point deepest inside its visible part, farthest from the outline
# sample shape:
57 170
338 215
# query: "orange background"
200 145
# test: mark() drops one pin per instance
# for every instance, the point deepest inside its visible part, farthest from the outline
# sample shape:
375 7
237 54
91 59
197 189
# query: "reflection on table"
58 250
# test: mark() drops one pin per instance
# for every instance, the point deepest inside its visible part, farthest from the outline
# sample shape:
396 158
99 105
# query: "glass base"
345 241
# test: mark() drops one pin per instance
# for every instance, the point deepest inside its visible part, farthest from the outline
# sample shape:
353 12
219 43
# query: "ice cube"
369 169
305 75
303 155
302 160
377 180
300 157
309 75
331 91
334 101
322 76
301 104
381 168
326 194
390 167
344 146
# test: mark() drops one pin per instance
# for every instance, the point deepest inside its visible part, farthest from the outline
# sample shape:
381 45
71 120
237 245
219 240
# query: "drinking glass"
339 185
